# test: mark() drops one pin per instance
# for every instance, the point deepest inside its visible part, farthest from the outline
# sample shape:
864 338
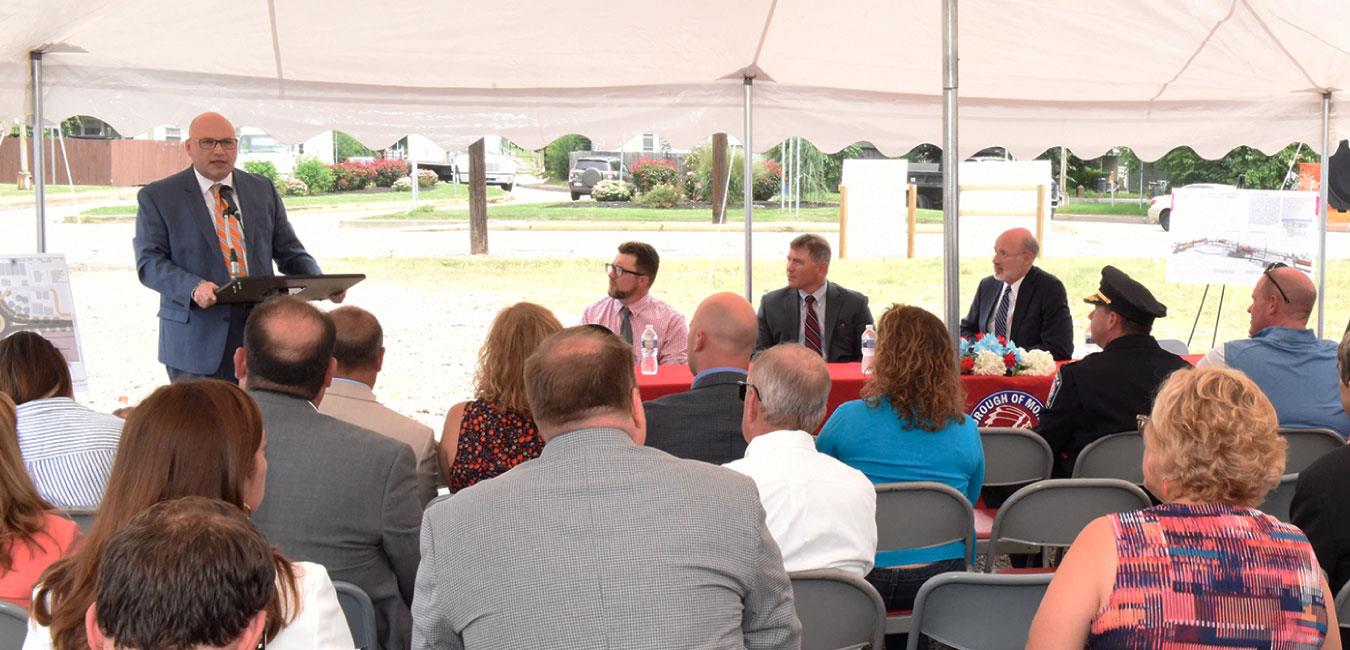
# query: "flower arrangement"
997 356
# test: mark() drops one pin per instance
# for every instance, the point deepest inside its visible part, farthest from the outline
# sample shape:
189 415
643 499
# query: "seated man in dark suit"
1020 301
704 422
337 494
810 310
1321 505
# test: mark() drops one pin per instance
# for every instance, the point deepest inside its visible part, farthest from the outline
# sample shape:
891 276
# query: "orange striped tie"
229 232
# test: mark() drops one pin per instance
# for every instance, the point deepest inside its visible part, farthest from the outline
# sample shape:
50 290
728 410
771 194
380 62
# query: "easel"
1223 288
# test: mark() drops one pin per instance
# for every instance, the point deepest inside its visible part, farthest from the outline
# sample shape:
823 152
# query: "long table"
992 401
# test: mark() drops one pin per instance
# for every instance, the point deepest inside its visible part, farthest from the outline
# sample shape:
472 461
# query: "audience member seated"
204 439
821 315
1101 394
910 425
630 308
67 447
822 513
338 494
359 351
704 422
494 432
188 573
1292 366
33 534
1321 505
1020 301
1204 569
600 542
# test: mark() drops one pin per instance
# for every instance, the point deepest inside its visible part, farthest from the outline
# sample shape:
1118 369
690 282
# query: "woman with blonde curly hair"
910 425
495 432
1204 569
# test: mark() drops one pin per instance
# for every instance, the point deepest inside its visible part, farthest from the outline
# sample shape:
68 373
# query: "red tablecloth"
993 401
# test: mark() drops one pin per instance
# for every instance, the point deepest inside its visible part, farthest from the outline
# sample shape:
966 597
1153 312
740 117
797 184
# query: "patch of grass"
1130 208
567 285
590 211
442 192
8 189
110 211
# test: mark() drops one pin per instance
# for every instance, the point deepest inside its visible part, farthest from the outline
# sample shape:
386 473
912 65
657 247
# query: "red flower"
967 365
1010 360
979 335
1002 340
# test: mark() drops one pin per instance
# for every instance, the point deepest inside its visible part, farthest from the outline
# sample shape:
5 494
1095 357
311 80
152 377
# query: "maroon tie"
811 333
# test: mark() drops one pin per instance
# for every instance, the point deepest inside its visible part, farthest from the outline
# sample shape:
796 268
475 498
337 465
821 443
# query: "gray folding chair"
360 613
13 625
83 517
1175 346
1053 512
1118 456
921 515
977 611
1343 607
1278 499
838 610
1307 445
1014 456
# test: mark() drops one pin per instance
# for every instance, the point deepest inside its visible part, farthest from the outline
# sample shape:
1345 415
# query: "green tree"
556 163
1183 166
821 172
345 146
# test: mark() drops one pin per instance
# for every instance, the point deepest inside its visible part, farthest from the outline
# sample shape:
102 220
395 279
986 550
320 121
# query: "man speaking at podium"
198 229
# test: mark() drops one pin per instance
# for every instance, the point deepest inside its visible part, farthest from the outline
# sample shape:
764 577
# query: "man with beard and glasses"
629 308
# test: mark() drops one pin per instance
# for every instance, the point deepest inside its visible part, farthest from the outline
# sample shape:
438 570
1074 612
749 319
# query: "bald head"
722 333
1014 252
288 348
1292 308
360 341
216 161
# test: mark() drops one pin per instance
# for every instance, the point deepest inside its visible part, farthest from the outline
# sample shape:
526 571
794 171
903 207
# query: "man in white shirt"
359 352
821 512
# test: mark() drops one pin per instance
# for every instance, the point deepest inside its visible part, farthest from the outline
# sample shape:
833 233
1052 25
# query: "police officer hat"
1125 296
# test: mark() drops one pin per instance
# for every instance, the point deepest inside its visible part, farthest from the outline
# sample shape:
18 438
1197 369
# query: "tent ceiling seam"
1274 39
763 36
276 47
1232 8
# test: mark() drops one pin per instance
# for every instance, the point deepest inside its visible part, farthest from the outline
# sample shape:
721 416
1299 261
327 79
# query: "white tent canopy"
1150 74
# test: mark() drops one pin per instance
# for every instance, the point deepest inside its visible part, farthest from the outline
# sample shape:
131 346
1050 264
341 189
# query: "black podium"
307 287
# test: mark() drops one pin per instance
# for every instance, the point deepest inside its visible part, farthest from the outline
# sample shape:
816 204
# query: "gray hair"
1343 356
793 385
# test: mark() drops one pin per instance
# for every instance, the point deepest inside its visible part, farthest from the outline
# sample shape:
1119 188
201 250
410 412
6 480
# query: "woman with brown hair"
203 438
67 448
33 534
910 425
494 432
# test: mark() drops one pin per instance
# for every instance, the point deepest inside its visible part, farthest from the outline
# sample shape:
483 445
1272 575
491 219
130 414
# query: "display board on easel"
35 296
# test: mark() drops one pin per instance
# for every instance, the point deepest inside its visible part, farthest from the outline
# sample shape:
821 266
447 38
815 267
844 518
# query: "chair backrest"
922 515
1053 512
1278 499
1013 456
1343 605
83 517
13 625
1119 456
1175 346
976 610
1307 445
360 613
838 610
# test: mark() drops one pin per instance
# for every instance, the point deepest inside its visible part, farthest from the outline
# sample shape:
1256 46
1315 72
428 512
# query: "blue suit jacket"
176 248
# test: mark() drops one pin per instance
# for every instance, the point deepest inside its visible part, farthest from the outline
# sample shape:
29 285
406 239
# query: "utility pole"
478 243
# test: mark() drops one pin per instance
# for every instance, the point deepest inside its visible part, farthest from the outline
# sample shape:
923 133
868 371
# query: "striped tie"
229 232
1001 314
811 333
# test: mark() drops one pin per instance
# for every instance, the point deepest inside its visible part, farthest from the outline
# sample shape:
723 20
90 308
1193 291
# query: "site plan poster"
35 295
1228 236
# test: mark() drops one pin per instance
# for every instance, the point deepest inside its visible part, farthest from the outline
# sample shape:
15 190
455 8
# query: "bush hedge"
648 173
316 175
263 168
351 176
612 190
388 171
662 196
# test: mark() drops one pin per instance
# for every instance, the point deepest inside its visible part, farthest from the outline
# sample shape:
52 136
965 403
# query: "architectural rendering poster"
35 296
1228 236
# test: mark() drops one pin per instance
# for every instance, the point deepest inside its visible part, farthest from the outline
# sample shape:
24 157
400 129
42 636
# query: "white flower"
1038 363
988 363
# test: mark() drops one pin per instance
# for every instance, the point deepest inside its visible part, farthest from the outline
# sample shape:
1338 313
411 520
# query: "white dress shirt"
822 513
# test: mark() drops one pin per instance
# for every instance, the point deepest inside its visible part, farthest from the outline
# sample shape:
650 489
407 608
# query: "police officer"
1105 391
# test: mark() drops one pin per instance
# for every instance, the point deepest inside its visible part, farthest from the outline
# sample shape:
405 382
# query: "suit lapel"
792 314
252 206
987 302
1025 294
201 218
833 305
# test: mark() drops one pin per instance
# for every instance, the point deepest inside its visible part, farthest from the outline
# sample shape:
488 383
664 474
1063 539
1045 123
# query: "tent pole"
950 161
39 165
747 189
1323 212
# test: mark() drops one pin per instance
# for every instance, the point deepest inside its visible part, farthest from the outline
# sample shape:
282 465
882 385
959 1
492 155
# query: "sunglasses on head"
1271 277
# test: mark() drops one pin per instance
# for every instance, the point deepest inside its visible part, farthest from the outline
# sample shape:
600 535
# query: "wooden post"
1040 216
843 221
719 177
478 243
912 191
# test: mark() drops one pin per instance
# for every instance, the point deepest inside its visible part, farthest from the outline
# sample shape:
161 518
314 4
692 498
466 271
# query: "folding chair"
1014 456
977 611
1175 346
1307 445
1343 607
1053 512
1278 499
83 517
838 610
13 625
921 515
360 613
1118 456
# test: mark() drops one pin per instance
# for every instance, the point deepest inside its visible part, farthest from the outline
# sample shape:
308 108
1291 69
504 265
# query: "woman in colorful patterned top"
1204 569
495 432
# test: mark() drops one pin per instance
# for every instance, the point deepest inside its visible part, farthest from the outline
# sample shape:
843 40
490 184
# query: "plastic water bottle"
869 349
649 349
